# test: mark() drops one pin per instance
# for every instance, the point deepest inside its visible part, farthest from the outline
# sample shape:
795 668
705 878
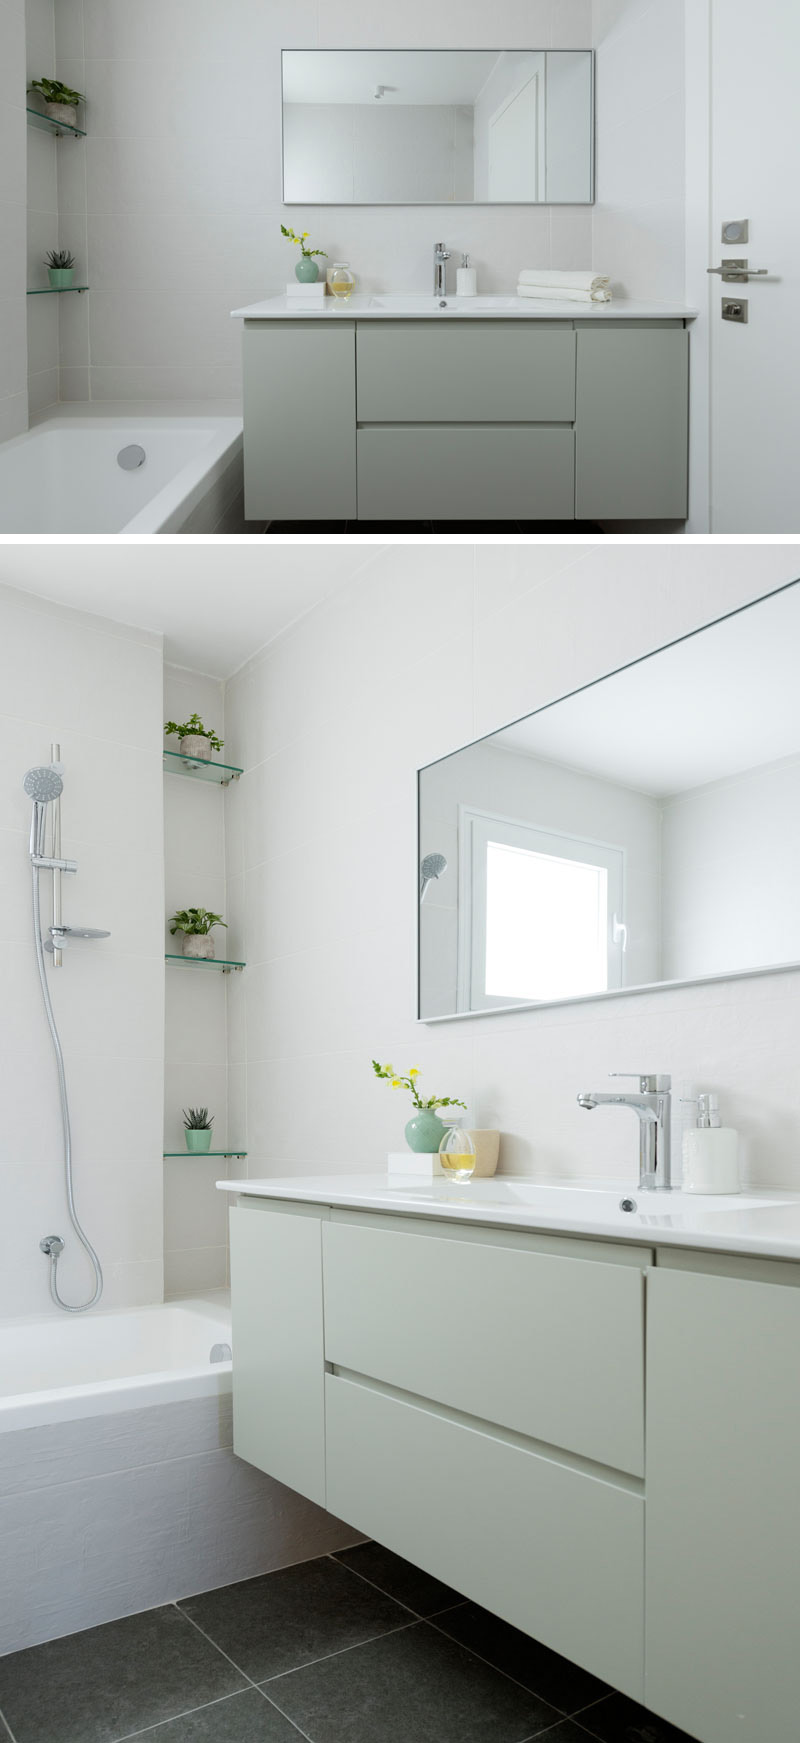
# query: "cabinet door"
466 472
278 1362
632 424
551 1549
723 1520
299 420
415 372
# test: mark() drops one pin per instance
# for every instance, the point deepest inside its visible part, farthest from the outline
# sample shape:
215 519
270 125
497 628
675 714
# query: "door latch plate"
736 309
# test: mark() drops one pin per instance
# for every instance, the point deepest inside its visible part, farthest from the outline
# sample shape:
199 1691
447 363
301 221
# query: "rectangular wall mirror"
381 127
641 832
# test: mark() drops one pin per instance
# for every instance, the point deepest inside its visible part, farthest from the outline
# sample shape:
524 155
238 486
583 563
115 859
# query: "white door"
755 175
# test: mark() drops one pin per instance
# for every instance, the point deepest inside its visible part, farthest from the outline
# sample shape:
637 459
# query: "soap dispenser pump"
466 279
710 1150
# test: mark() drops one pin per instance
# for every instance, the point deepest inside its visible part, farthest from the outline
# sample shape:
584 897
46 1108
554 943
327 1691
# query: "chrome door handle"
738 271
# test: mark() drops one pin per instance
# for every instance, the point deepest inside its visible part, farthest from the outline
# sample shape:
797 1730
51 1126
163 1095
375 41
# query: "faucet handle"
651 1084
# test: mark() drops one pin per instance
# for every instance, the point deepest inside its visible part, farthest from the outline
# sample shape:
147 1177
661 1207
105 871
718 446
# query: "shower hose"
53 1255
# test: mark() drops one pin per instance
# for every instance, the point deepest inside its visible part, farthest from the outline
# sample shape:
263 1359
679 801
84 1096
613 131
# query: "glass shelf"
200 768
225 964
55 290
238 1155
48 125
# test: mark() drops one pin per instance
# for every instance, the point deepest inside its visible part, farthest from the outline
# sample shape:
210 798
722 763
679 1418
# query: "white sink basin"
418 305
566 1203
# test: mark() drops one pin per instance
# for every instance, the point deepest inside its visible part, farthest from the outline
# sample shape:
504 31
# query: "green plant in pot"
306 269
60 101
425 1130
194 926
61 268
197 1126
194 739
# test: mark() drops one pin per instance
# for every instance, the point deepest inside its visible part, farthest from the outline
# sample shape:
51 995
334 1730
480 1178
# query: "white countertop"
413 307
765 1223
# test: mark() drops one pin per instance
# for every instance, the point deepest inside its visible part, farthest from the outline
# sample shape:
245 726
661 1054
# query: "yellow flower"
305 235
414 1072
396 1084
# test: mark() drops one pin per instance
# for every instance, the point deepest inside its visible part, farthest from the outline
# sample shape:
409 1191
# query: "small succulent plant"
195 921
194 728
54 92
197 1120
60 259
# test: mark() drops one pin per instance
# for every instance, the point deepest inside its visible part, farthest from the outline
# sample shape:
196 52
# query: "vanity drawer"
493 371
556 1552
550 1347
467 472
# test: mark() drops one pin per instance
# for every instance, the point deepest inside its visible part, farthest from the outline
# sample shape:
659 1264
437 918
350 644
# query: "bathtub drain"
131 457
220 1353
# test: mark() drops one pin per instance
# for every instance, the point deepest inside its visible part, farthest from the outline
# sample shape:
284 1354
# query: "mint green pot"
306 270
425 1132
198 1141
61 277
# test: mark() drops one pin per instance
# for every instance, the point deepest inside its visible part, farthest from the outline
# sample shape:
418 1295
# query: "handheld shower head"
431 868
43 784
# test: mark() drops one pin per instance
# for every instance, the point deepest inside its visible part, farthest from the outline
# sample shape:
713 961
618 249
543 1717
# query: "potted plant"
194 739
194 925
425 1130
61 268
306 269
197 1127
60 101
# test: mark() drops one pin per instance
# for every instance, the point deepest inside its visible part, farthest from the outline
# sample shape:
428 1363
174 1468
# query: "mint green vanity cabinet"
461 420
276 1309
723 1513
300 420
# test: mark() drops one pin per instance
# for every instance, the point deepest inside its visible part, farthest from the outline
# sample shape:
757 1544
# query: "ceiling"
215 610
717 703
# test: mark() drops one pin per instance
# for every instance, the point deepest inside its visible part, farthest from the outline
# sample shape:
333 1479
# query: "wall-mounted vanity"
438 407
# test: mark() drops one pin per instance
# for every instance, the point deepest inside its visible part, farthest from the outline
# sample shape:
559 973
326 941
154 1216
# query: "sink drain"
627 1204
131 457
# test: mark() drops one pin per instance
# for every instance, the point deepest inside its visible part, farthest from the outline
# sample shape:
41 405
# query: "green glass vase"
425 1132
306 270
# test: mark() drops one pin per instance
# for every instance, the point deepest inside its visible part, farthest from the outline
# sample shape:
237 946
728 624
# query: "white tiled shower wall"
173 205
13 389
95 688
424 650
196 1074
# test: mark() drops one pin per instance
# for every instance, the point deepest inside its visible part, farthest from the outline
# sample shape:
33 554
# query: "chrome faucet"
441 255
652 1107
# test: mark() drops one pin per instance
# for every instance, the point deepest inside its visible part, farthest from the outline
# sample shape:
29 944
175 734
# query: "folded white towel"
588 281
560 294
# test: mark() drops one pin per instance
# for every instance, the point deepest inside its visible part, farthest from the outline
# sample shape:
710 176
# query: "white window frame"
475 829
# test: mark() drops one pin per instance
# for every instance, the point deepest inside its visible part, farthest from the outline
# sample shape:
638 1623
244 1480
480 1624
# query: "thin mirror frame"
652 986
450 205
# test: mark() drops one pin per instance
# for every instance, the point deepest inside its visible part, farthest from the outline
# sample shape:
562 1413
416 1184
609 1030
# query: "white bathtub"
63 476
100 1363
119 1487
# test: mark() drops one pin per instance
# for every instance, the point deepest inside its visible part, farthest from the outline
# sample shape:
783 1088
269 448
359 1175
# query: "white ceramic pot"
195 746
63 112
199 944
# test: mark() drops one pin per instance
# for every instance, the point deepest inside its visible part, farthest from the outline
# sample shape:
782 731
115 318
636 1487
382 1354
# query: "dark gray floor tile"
557 1680
388 526
618 1720
503 528
303 527
566 1732
408 1584
109 1681
281 1620
247 1718
413 1685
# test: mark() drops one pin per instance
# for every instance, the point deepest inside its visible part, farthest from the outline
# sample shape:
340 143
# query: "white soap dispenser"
466 279
710 1151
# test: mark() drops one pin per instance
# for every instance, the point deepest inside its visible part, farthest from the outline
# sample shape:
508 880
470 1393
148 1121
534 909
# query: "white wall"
183 177
13 388
43 312
639 219
95 688
196 1069
731 851
354 151
422 652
